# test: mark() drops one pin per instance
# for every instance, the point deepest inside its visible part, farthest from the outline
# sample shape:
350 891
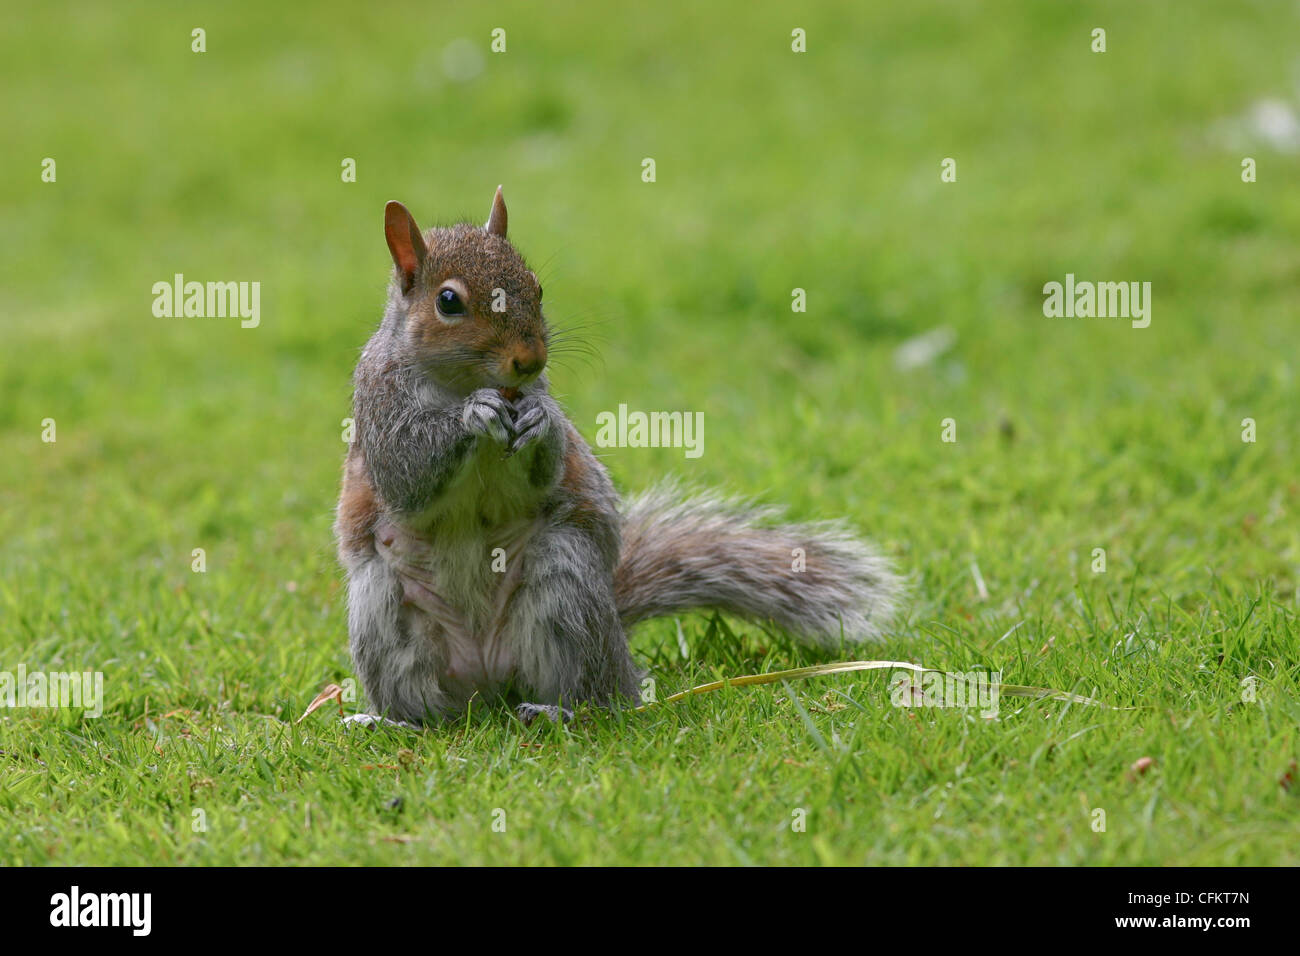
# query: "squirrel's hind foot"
371 721
527 713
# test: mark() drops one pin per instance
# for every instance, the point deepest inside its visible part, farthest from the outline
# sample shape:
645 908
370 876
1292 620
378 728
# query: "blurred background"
775 170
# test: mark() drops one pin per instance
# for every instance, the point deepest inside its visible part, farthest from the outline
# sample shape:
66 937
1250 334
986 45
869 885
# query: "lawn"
774 171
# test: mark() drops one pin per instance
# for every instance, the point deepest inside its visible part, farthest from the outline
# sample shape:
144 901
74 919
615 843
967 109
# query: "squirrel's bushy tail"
704 551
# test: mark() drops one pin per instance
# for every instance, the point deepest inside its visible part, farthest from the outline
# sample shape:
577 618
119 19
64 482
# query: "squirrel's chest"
489 492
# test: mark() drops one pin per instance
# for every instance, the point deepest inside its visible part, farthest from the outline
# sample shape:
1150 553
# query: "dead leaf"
331 692
1140 766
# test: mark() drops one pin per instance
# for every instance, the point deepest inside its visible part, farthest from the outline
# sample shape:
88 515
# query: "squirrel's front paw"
486 412
531 422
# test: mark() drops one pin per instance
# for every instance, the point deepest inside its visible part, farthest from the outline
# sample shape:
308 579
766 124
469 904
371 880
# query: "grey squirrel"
485 550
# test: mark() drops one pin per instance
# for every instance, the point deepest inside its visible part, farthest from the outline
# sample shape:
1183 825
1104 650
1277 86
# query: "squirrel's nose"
528 364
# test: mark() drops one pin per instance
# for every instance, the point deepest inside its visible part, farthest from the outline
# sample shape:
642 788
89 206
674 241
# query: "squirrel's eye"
450 304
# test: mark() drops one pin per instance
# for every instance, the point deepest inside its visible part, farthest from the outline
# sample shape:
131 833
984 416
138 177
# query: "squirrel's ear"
496 224
405 242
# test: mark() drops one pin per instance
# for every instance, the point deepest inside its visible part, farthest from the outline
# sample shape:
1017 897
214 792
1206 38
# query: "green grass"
774 171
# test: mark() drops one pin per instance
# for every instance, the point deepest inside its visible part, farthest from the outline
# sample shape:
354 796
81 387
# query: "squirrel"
484 546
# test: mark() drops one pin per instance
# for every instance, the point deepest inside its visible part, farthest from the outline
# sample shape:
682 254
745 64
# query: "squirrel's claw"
529 426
